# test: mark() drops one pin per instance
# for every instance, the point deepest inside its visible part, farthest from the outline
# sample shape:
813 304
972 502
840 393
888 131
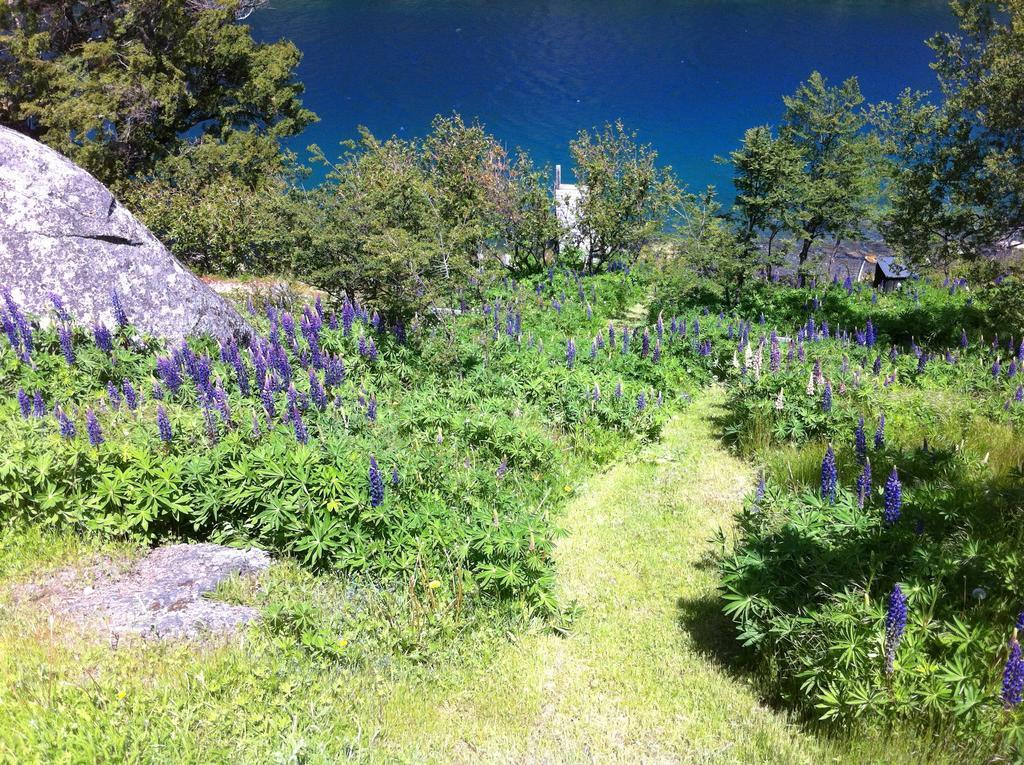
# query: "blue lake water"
689 75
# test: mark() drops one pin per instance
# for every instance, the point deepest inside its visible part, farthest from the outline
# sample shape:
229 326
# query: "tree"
826 126
768 176
121 85
957 167
626 199
713 249
528 229
373 230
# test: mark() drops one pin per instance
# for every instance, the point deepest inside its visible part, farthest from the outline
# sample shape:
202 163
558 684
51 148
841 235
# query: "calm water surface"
689 75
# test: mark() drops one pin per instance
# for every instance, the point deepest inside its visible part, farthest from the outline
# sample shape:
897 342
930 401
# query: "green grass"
644 673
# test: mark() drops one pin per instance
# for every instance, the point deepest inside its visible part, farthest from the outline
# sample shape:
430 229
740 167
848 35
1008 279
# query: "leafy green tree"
373 230
712 248
957 167
626 198
406 224
528 231
768 176
120 85
826 125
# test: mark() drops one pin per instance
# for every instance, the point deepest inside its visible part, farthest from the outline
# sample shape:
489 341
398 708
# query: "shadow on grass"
712 633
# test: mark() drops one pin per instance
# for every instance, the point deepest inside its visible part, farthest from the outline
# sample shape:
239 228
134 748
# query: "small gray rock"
161 596
61 230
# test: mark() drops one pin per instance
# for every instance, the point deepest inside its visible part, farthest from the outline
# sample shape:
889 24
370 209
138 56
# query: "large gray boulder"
62 231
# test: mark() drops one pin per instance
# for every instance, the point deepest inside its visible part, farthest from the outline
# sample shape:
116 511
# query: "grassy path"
636 680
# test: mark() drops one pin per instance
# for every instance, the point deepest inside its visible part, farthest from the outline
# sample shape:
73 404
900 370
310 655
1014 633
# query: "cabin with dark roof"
889 274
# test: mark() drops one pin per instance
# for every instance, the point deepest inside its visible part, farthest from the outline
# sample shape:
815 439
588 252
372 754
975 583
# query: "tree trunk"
805 250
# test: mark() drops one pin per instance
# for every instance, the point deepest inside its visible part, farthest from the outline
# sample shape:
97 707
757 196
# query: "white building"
568 198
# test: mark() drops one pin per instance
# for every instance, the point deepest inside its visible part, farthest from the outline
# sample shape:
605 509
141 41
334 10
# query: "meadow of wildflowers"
335 437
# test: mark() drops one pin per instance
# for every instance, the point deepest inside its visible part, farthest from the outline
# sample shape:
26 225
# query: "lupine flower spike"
376 484
829 475
895 626
893 498
1013 676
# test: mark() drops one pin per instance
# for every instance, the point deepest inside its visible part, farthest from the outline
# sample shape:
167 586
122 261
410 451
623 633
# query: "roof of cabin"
893 270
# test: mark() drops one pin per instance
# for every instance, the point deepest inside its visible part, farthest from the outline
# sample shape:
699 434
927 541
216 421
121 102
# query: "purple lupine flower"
869 334
895 626
348 316
169 373
611 336
625 340
92 427
826 397
163 425
114 396
829 475
24 332
1013 676
641 402
292 399
645 344
267 399
893 499
395 480
880 433
371 408
1019 395
656 356
24 403
502 468
376 484
11 330
103 338
220 400
256 430
1019 624
860 442
300 427
570 353
66 344
288 325
316 391
996 368
775 355
659 327
38 405
864 484
593 349
963 338
58 308
876 368
67 427
119 313
618 390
